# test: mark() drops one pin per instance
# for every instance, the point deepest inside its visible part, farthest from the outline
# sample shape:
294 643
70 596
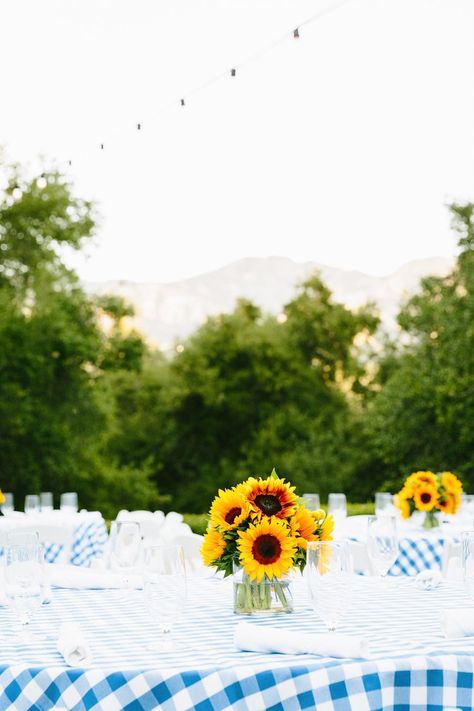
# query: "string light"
295 34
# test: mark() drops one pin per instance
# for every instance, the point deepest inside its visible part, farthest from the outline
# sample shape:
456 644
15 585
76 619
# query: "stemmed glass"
329 575
164 591
337 506
468 561
382 543
24 585
311 501
126 553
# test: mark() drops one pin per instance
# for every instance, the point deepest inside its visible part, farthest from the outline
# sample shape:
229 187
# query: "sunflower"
271 497
228 509
266 548
401 502
212 546
426 497
420 478
2 497
446 504
303 526
451 483
326 528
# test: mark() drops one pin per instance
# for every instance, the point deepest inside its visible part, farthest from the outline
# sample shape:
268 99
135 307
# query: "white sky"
341 147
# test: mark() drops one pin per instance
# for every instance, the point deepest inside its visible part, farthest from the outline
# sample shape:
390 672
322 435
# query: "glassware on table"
467 554
68 502
126 552
337 505
32 504
329 575
22 538
24 585
311 501
164 591
382 543
46 501
384 504
8 505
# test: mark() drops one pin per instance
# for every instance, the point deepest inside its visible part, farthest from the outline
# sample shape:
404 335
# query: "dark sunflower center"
232 514
425 497
268 503
266 549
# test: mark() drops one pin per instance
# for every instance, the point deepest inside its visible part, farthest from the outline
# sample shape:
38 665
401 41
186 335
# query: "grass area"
198 522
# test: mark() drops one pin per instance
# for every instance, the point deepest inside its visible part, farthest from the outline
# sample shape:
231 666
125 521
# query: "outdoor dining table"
419 549
411 665
89 534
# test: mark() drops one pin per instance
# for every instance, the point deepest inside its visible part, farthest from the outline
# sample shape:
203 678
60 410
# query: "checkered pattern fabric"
411 665
417 554
90 537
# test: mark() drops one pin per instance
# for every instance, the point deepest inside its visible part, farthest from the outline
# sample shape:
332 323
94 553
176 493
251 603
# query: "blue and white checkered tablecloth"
417 554
411 667
90 536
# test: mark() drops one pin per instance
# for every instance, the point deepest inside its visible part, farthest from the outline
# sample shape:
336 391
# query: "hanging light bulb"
296 33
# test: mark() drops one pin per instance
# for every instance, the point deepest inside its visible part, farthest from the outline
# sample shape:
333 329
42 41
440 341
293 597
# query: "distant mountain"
169 312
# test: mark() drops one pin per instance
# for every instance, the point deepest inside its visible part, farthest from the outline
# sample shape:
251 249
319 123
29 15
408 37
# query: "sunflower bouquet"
429 492
259 531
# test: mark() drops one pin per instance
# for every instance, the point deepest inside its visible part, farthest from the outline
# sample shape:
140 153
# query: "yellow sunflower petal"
212 546
228 509
271 497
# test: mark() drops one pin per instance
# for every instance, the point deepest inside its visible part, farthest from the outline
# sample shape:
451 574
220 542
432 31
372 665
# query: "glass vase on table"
270 595
164 591
330 577
382 544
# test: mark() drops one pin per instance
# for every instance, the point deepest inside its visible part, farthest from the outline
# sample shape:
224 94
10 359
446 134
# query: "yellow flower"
2 497
421 478
426 497
271 497
446 504
266 548
303 526
228 509
212 547
327 527
401 502
451 483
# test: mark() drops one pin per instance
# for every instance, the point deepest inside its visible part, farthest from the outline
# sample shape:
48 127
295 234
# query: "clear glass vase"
268 596
431 520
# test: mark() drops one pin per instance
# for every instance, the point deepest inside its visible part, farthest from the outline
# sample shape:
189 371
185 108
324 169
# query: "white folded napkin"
78 578
428 579
458 622
73 646
255 638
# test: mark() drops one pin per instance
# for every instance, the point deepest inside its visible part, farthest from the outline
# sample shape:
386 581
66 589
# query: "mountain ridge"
170 311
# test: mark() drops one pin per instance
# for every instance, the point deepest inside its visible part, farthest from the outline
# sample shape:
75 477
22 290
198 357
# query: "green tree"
422 416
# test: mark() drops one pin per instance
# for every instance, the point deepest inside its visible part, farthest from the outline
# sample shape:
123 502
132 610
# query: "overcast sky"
341 147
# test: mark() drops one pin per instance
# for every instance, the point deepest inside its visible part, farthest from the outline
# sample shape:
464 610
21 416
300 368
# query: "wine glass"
383 504
467 538
329 575
382 543
337 506
24 585
164 591
32 504
126 553
46 501
8 505
311 501
68 502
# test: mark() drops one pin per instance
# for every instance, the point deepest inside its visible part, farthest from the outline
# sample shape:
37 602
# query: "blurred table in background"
89 533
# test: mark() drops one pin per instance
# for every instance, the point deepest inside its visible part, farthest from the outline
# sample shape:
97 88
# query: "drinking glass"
382 543
22 538
46 501
32 504
24 578
126 553
329 575
164 591
337 505
68 502
311 501
383 503
467 542
8 504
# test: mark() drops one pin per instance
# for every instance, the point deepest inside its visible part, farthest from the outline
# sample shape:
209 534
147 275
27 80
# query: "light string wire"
231 71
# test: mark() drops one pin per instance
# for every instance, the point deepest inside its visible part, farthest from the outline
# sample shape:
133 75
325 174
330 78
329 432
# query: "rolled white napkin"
73 646
428 579
77 578
255 638
458 622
